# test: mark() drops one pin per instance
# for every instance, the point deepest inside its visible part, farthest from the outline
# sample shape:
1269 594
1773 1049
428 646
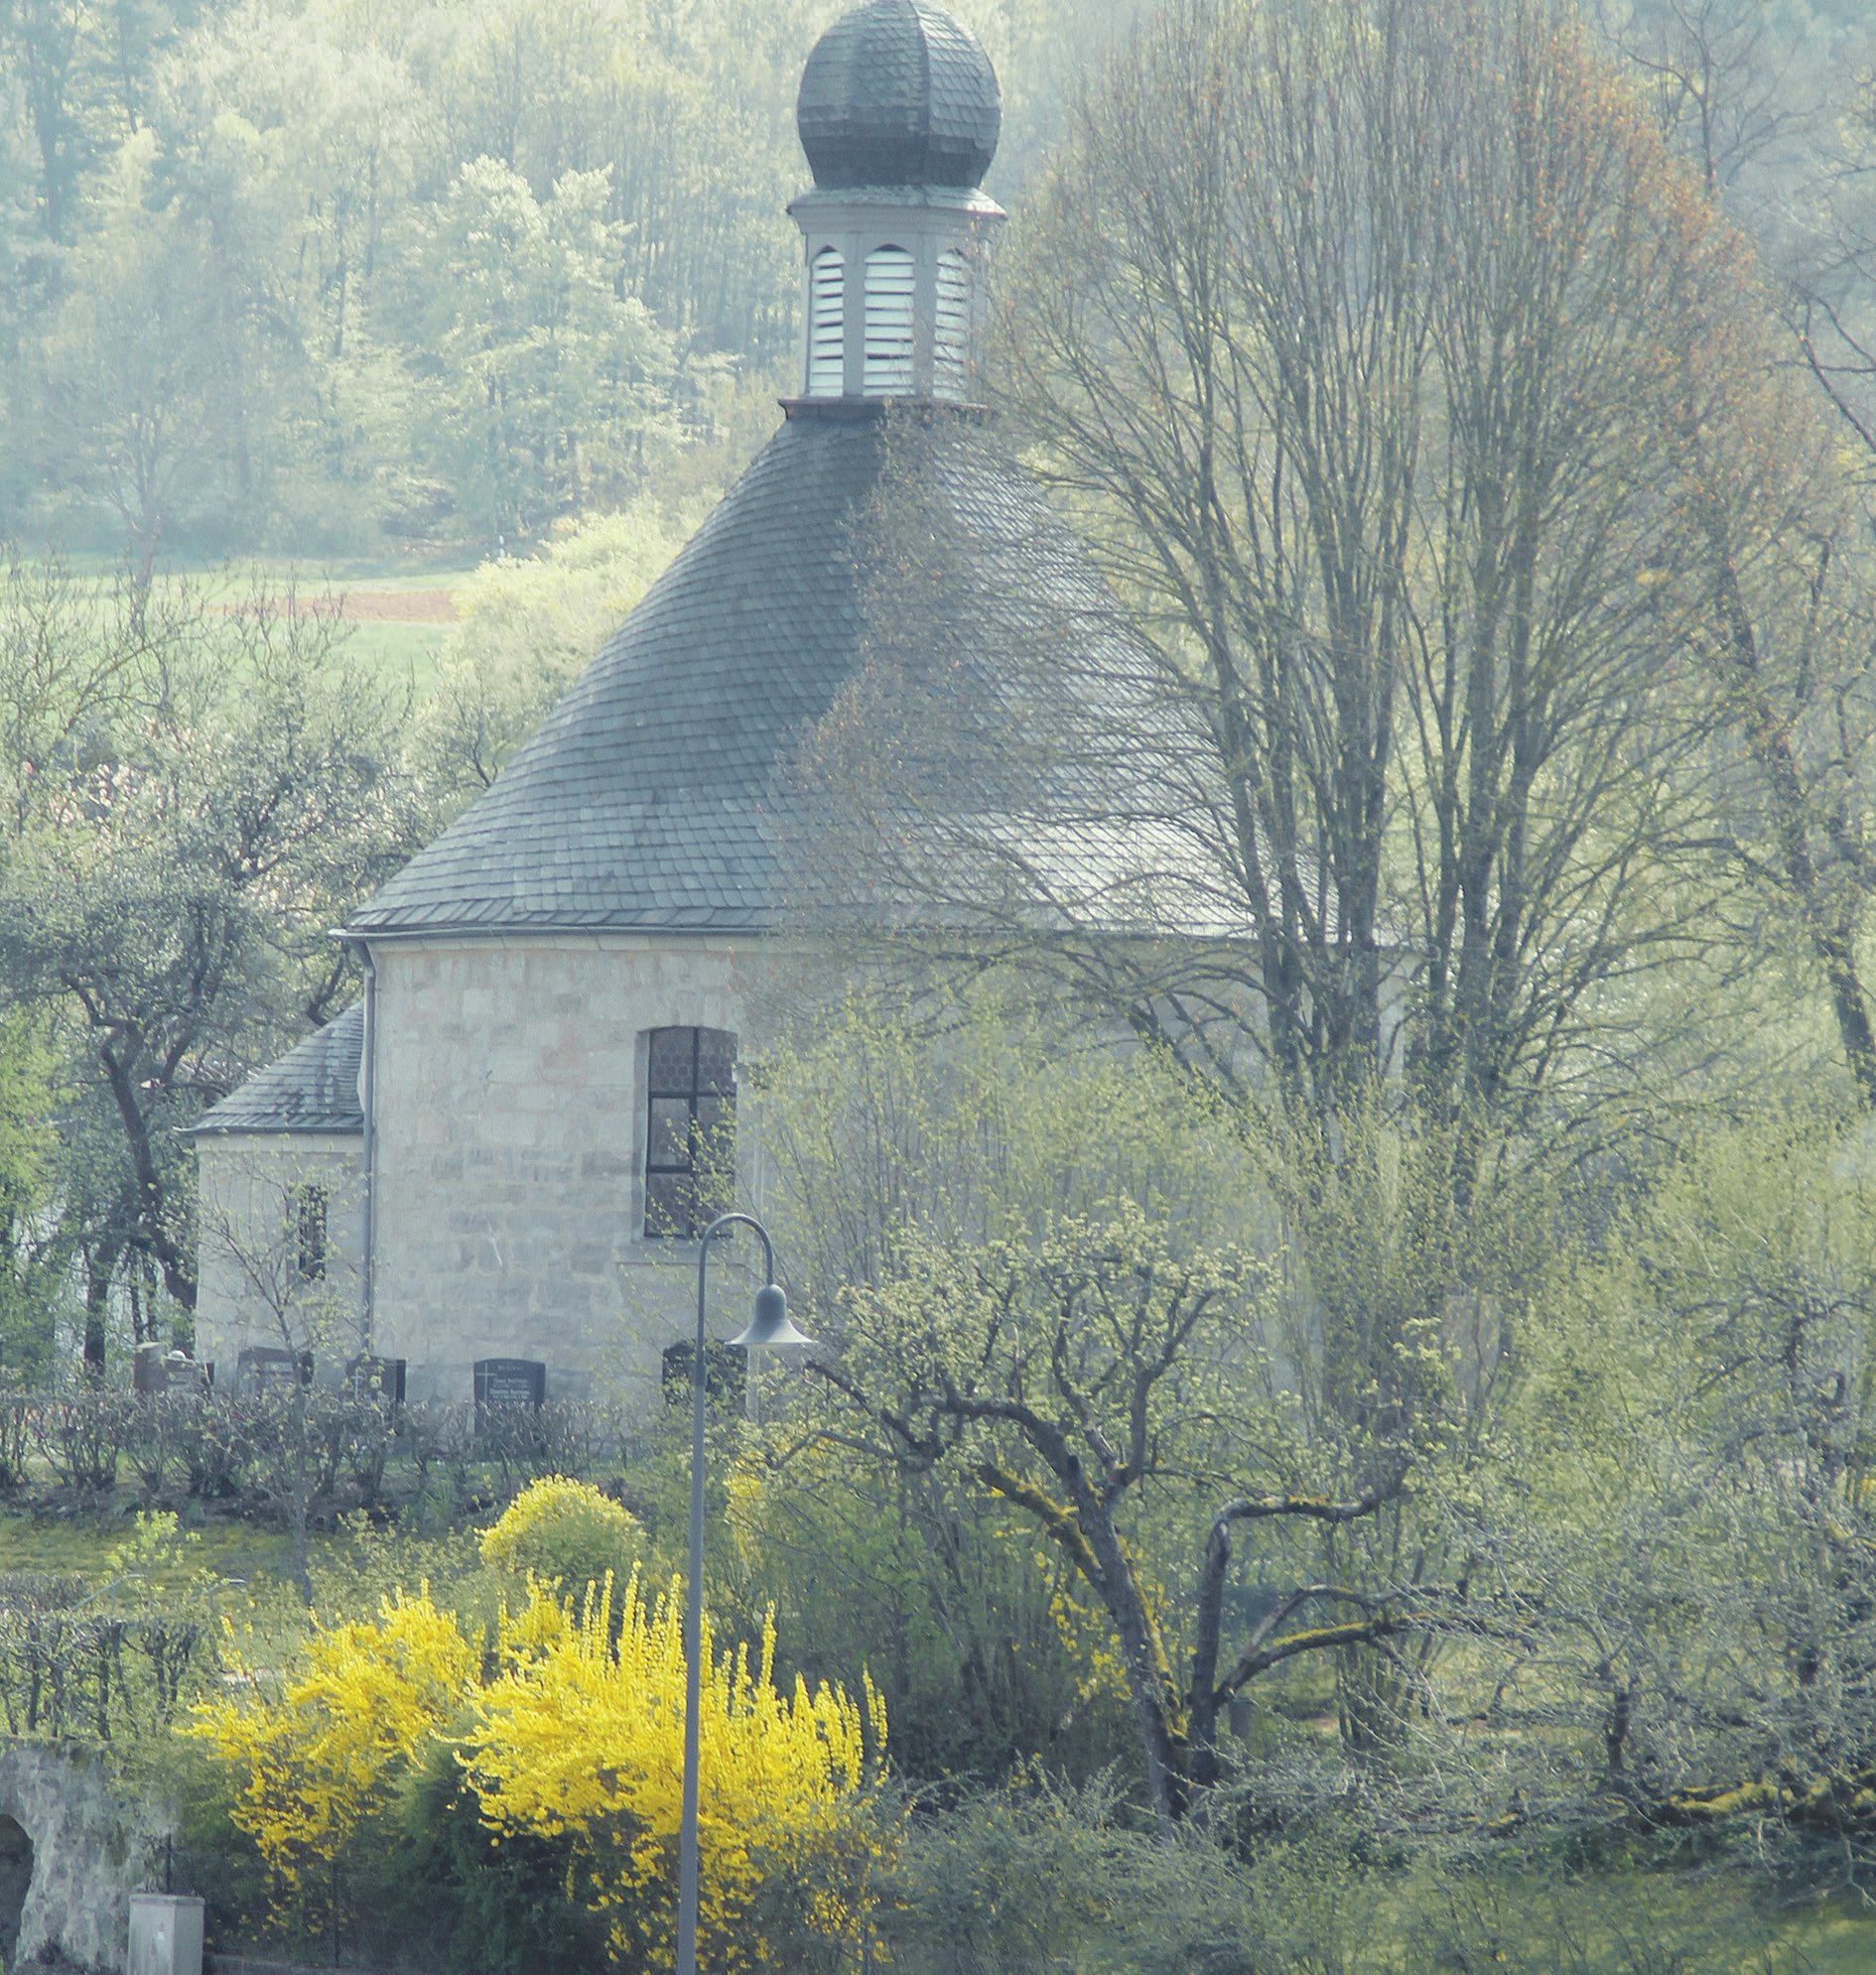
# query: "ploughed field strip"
362 607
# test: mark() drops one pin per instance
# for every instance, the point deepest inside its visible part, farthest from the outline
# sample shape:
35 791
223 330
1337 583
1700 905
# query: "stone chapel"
493 1153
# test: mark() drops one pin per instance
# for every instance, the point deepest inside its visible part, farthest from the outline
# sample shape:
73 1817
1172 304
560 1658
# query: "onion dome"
899 93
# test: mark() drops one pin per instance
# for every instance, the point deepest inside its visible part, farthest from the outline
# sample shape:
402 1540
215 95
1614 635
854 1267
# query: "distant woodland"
321 278
317 277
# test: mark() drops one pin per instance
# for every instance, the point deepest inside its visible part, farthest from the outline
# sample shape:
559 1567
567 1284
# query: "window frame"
312 1205
700 1173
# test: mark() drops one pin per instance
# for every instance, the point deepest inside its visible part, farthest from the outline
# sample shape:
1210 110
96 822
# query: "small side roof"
312 1087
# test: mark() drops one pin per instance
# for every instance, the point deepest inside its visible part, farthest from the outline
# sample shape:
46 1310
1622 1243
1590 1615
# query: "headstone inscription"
508 1381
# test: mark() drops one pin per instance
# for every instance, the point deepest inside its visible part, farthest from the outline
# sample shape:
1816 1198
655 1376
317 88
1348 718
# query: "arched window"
690 1143
827 324
889 367
951 333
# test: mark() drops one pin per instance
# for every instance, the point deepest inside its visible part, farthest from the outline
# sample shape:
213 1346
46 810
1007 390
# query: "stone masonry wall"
510 1155
250 1292
91 1849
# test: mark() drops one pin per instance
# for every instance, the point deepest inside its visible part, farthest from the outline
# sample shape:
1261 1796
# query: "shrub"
82 1434
571 1753
152 1439
213 1444
567 1533
444 1435
17 1409
349 1720
583 1738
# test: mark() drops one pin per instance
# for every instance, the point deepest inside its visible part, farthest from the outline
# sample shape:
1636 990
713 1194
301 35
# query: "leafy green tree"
1702 1404
171 875
546 380
134 368
86 71
36 1235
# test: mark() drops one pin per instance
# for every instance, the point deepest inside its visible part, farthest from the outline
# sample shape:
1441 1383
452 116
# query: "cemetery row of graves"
341 1448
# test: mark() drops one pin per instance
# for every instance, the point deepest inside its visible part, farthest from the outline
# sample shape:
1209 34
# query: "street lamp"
771 1329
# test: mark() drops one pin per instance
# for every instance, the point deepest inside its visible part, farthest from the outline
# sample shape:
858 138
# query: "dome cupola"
899 93
899 114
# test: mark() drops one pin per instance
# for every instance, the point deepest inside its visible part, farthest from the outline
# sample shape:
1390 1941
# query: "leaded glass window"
690 1130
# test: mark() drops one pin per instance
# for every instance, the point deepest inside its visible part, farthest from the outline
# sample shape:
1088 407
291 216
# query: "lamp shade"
772 1327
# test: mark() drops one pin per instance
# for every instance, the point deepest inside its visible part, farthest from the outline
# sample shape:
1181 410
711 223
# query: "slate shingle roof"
899 93
657 798
639 803
312 1087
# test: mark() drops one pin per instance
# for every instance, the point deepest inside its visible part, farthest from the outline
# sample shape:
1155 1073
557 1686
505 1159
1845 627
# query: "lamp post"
771 1329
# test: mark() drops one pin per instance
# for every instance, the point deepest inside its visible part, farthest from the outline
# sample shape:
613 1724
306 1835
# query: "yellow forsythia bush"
576 1737
318 1758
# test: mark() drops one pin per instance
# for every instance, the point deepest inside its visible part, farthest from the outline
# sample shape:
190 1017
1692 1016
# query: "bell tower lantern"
899 114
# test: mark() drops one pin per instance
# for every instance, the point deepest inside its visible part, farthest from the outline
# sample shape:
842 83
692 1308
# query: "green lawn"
396 650
80 1546
1841 1941
399 651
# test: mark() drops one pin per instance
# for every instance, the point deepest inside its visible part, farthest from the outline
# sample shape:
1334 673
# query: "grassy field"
82 1546
1838 1941
396 645
400 652
397 648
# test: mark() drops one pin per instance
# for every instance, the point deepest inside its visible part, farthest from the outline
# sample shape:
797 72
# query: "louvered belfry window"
888 366
951 332
826 324
690 1141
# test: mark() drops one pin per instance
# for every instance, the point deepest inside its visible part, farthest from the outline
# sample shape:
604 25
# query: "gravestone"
185 1375
509 1381
262 1370
150 1372
380 1379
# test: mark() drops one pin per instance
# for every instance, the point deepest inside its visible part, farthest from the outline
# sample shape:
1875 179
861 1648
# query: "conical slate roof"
664 794
312 1087
639 803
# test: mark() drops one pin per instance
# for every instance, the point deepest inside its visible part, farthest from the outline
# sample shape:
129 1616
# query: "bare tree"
1723 78
1339 333
294 1289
